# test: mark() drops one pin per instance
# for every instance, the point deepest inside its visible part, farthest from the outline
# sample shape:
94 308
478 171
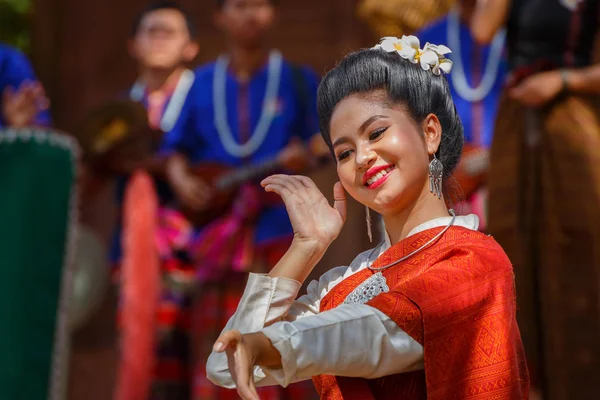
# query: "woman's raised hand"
314 220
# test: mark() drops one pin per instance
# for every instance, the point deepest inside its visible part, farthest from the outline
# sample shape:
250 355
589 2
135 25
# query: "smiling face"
383 154
162 40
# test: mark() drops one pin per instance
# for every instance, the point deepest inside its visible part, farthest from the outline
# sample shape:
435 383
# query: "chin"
383 202
390 200
161 63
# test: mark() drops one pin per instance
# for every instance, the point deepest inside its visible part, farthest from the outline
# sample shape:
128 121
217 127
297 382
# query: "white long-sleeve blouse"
353 340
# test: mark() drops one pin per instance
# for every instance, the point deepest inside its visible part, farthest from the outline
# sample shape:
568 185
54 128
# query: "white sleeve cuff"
280 337
265 301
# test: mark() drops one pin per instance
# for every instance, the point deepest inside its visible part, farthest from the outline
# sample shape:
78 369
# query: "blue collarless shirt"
195 134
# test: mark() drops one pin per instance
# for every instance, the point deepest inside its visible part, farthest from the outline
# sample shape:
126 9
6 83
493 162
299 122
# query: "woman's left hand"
241 360
538 89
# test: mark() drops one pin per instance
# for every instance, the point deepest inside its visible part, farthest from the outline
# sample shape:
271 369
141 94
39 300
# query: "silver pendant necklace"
376 283
269 107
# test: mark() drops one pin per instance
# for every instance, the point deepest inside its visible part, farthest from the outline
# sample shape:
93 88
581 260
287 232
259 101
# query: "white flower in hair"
411 49
431 57
434 57
390 44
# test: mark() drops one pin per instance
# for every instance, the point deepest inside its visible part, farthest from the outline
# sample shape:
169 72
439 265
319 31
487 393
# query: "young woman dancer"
429 312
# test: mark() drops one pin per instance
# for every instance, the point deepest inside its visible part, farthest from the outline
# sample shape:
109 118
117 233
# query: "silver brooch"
368 289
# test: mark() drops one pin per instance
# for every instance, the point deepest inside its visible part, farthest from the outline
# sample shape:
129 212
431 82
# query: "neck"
246 61
156 80
427 207
465 12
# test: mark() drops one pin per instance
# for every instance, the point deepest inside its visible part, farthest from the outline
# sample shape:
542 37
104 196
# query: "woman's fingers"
244 379
306 182
240 363
239 367
287 181
227 340
253 387
299 185
244 371
282 191
339 199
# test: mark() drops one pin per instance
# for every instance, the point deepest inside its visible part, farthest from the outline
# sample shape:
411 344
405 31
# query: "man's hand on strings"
295 156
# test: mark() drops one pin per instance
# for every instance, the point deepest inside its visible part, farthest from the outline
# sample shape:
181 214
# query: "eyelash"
372 136
343 155
377 133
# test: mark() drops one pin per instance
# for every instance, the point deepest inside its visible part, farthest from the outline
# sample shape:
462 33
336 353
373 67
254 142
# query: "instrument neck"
245 173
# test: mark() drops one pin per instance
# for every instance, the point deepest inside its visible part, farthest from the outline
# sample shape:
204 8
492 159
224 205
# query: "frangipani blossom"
434 57
391 44
445 66
438 48
411 49
431 57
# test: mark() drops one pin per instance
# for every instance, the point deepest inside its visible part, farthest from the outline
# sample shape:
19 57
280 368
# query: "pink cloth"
224 244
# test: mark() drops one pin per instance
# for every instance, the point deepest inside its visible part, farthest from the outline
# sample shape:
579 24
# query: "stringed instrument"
225 180
471 172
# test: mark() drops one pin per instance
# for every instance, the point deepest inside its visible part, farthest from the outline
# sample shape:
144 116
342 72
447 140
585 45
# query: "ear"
131 49
190 51
432 129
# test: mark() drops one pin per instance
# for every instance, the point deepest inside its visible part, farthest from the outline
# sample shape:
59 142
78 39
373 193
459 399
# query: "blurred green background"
14 23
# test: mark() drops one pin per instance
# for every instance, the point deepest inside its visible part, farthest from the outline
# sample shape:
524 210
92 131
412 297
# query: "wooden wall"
80 54
80 48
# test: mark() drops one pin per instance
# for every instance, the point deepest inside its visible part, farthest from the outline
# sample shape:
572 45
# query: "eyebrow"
361 129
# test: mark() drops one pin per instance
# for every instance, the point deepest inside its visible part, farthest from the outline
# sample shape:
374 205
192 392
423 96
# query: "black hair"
164 5
221 3
420 92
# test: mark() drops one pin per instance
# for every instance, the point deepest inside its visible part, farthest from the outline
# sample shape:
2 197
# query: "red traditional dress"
444 329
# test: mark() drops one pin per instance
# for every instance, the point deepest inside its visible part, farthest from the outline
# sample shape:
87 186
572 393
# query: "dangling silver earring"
369 232
436 171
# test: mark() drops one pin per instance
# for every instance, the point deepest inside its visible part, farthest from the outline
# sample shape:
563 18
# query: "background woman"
545 184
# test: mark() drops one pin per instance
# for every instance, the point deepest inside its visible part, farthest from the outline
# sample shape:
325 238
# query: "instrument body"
225 182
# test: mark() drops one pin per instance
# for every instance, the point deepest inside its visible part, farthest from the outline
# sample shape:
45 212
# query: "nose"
365 157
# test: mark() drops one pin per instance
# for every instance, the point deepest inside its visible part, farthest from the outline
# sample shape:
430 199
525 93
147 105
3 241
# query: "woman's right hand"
315 222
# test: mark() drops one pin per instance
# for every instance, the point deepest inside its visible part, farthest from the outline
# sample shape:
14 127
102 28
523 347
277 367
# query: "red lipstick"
373 172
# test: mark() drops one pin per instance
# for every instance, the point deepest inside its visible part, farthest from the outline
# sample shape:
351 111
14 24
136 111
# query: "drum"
91 277
38 214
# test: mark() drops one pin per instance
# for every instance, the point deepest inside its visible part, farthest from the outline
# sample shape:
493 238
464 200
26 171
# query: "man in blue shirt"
23 101
249 109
